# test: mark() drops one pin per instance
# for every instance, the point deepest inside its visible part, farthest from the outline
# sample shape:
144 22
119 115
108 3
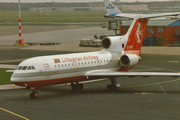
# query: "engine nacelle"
128 60
113 43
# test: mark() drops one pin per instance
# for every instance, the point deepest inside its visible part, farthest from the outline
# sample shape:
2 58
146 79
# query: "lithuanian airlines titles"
119 54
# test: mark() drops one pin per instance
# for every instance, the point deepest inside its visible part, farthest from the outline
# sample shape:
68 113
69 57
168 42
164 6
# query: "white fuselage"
66 68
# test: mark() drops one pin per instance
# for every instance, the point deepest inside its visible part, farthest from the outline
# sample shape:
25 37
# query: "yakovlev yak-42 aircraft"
119 54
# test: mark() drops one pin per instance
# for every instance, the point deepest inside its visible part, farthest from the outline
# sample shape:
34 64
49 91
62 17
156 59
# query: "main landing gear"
114 86
76 86
34 93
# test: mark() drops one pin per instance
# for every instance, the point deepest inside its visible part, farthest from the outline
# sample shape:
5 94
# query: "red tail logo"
136 35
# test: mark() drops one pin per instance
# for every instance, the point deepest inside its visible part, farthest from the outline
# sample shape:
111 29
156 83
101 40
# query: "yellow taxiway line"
14 114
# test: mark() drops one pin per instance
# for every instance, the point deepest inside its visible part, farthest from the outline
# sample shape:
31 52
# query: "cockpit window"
33 67
29 68
20 68
24 68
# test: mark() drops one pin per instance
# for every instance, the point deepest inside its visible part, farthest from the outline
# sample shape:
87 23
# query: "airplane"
112 10
119 54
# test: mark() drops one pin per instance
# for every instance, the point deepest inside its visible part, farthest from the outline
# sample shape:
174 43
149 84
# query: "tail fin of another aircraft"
111 8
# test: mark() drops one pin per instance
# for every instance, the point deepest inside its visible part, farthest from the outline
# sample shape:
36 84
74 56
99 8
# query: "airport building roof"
159 22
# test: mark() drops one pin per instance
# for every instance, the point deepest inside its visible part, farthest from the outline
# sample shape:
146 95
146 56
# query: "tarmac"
151 98
76 48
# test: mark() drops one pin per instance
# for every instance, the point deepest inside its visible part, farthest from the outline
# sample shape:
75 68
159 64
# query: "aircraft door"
98 63
75 66
47 70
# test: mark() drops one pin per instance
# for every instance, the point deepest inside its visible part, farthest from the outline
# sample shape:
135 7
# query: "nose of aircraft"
14 79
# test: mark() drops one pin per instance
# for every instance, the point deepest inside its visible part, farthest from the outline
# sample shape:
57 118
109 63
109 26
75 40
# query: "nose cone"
15 80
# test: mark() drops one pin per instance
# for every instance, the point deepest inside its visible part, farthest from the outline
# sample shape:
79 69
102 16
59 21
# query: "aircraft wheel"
77 86
81 86
73 87
34 94
112 88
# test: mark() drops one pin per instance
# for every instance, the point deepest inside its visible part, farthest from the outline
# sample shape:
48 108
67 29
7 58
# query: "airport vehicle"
119 54
85 42
96 43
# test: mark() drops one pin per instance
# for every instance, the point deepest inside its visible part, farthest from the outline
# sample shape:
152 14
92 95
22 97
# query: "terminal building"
159 32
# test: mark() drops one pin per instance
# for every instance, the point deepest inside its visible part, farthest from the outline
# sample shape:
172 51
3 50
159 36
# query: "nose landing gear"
34 93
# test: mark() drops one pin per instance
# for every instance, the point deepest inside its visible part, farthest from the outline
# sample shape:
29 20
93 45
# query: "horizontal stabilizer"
143 16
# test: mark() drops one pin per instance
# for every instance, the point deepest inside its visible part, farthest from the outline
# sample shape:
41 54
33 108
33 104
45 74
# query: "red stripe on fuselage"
50 82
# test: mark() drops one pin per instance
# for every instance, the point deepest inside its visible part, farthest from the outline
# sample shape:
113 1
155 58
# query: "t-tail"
128 47
136 32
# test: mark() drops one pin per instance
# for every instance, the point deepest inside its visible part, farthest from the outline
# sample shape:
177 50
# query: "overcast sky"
35 1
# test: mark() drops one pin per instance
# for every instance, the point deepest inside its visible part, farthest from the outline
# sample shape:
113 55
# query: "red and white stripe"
19 29
20 41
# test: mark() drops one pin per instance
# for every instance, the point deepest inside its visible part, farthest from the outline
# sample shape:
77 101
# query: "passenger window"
24 68
62 65
92 62
58 65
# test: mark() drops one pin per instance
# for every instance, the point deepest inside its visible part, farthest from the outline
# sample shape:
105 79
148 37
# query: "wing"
130 74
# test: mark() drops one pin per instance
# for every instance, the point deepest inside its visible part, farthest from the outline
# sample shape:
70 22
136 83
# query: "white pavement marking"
10 86
8 66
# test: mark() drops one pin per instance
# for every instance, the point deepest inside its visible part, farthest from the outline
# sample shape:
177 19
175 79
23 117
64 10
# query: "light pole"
20 40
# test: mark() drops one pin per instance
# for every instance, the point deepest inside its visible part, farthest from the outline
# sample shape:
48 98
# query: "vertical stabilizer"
111 8
136 34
